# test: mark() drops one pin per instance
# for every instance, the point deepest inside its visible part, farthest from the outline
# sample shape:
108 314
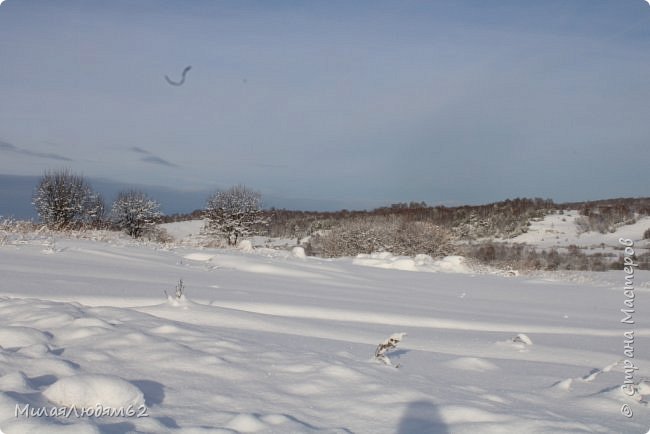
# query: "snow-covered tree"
63 199
134 212
234 213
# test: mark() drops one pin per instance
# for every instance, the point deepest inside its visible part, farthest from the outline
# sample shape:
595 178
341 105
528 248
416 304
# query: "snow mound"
89 390
246 423
199 257
522 338
564 384
298 252
452 264
181 301
15 382
18 337
246 246
37 350
386 260
275 419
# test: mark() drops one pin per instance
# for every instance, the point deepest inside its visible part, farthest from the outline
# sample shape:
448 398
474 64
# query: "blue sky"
366 102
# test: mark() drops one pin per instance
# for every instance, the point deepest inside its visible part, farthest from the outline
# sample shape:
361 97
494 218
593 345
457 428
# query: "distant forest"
481 233
505 219
470 230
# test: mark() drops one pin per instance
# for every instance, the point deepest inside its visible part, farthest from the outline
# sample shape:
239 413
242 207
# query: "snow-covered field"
560 230
271 341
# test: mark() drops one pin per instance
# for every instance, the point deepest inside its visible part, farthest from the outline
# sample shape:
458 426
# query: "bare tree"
63 199
234 213
134 212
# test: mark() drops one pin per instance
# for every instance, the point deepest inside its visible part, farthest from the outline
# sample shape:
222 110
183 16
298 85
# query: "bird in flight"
179 83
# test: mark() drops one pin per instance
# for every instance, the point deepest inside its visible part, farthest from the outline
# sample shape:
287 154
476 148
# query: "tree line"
65 200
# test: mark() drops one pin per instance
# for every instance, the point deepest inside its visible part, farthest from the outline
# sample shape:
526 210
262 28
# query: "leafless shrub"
158 235
377 234
387 345
525 258
604 218
582 224
64 200
179 291
135 213
12 230
234 213
503 255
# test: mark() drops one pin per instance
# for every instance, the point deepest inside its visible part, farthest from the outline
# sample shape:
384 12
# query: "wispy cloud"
149 157
139 150
157 160
8 147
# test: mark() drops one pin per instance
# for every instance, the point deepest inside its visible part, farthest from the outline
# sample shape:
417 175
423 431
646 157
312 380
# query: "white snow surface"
449 264
185 230
560 230
270 341
90 390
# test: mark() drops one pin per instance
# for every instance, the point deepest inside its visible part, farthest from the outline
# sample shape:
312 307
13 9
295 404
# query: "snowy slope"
184 230
560 230
273 342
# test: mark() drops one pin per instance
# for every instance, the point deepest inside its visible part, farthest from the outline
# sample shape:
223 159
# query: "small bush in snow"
135 213
179 292
646 234
234 213
604 218
158 235
388 345
63 199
